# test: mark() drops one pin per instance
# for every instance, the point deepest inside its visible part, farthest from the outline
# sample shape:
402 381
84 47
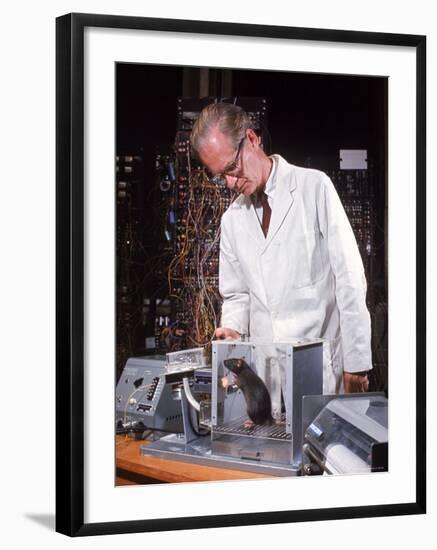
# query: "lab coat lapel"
283 200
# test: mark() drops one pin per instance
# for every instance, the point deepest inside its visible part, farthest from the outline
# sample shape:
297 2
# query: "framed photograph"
143 440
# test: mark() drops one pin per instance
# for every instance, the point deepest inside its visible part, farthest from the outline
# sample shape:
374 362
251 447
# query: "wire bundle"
193 272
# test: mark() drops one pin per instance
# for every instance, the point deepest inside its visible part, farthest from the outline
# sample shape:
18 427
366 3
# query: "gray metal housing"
301 362
142 397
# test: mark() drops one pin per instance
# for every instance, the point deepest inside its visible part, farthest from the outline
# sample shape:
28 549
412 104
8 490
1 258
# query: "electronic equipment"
299 366
192 208
206 409
345 434
143 398
275 448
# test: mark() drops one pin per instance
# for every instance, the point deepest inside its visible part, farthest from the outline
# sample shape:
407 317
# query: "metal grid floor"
236 427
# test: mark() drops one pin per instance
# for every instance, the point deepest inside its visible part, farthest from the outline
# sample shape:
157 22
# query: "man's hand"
355 382
223 333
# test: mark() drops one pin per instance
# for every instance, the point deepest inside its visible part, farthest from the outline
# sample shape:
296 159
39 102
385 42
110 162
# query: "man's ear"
252 138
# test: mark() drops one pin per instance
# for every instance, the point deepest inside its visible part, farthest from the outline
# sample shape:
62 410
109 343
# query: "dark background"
308 114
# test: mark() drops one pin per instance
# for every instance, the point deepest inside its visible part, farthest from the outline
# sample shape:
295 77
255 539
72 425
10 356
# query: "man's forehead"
217 141
216 150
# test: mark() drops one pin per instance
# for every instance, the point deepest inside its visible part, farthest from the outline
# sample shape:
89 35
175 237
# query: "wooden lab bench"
135 469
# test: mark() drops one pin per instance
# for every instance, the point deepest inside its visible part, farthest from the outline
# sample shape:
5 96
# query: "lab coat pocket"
305 259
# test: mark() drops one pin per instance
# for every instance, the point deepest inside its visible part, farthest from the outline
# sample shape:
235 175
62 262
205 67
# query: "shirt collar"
270 187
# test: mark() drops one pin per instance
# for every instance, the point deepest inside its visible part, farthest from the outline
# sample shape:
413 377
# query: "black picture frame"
70 272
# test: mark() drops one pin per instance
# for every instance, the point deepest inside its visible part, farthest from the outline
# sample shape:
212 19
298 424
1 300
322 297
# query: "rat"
258 402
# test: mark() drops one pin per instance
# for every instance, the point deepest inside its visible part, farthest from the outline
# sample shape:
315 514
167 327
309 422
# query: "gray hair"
230 119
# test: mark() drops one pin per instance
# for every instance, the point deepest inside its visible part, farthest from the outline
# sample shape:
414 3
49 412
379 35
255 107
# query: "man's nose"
231 181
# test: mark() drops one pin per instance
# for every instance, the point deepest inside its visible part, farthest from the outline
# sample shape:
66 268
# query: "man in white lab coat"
289 262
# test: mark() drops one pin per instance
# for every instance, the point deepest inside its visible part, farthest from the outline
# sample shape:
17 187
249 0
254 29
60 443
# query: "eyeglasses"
220 178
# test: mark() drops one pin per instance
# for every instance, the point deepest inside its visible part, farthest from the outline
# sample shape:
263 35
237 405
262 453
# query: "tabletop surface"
128 458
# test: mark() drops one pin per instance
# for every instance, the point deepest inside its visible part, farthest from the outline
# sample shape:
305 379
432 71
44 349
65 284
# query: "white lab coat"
306 279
